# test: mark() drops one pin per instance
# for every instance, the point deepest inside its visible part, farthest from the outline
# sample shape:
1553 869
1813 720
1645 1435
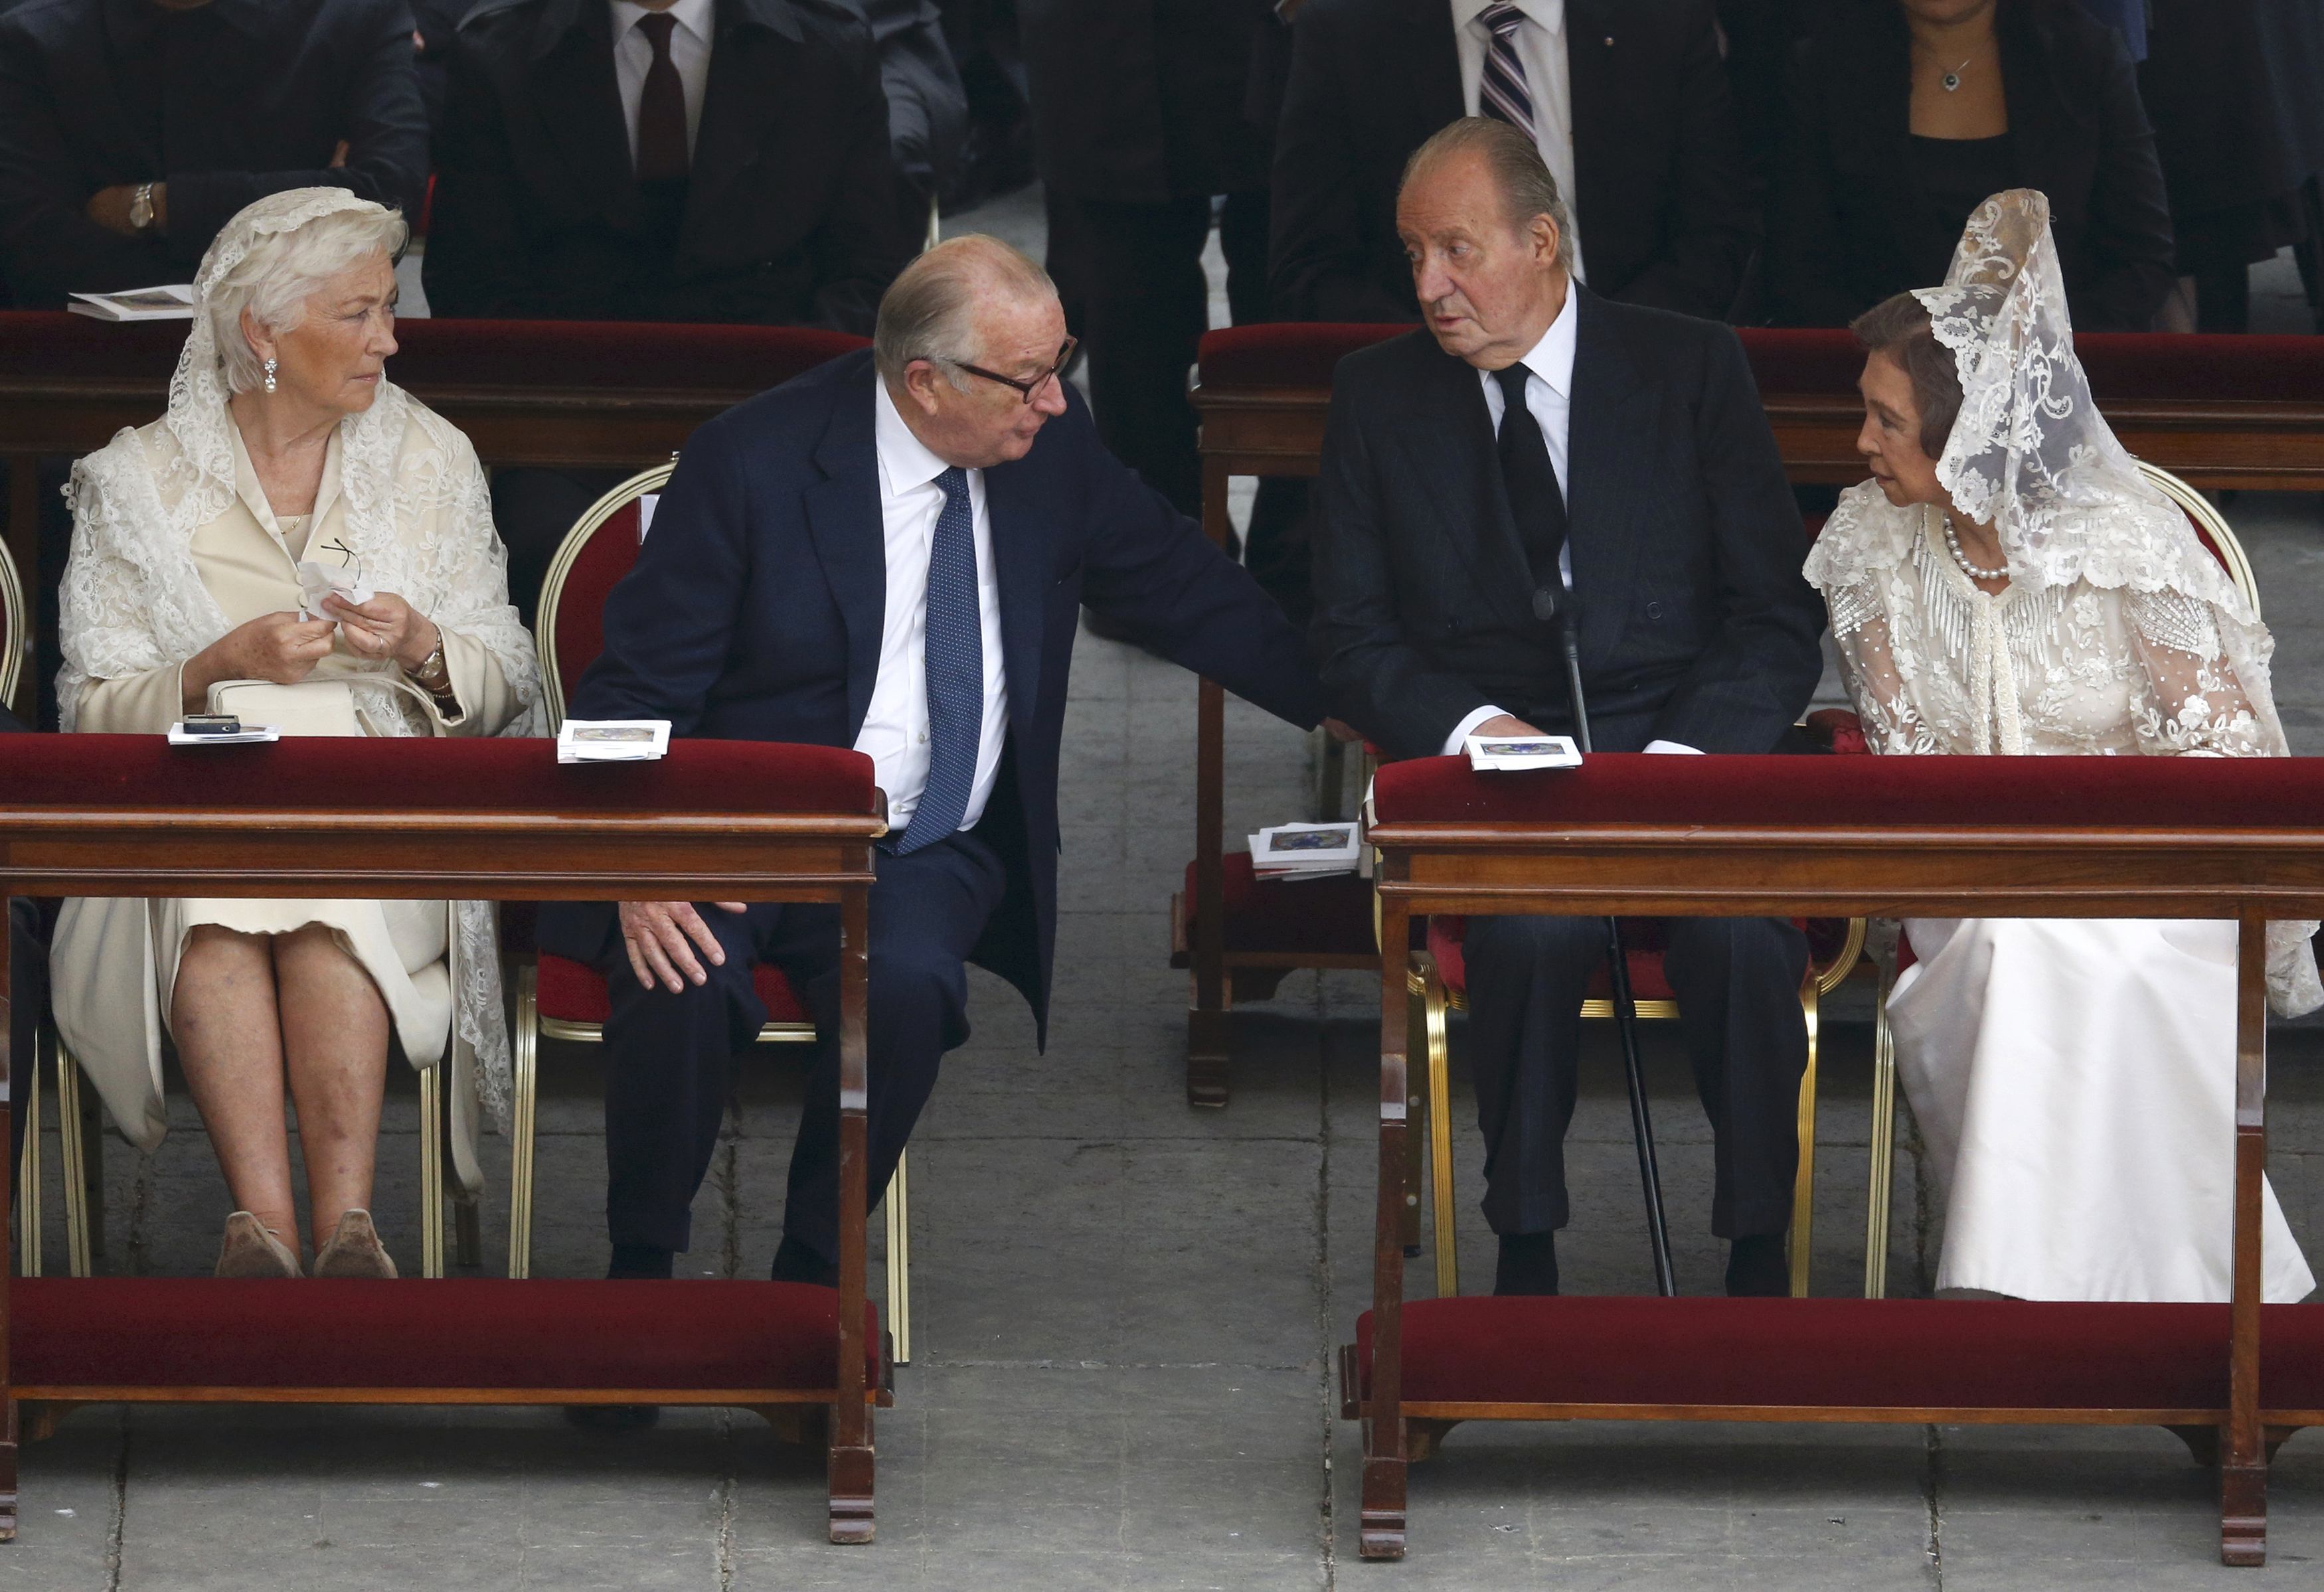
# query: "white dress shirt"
689 52
895 733
1549 82
1549 397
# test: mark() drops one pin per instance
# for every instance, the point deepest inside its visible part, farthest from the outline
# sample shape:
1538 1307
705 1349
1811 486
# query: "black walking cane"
1547 607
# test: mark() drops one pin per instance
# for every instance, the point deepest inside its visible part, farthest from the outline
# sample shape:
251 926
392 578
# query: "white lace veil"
133 599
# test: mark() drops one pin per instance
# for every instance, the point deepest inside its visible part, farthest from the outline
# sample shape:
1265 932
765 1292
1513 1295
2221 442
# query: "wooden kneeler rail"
1846 837
127 815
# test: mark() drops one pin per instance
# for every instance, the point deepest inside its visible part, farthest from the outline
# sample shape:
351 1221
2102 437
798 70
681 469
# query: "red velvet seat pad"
464 1332
573 992
1642 947
1910 1352
599 567
1615 787
551 356
1312 916
86 772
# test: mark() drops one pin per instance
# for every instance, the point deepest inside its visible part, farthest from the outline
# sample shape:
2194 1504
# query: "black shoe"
1527 1266
1757 1268
640 1262
613 1420
796 1263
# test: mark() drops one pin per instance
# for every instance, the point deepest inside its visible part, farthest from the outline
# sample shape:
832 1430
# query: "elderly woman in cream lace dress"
285 443
2008 583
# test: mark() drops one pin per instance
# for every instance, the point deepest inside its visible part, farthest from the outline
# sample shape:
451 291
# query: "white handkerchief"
318 581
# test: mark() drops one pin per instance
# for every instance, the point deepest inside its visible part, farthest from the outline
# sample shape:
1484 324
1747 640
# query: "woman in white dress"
284 441
2008 583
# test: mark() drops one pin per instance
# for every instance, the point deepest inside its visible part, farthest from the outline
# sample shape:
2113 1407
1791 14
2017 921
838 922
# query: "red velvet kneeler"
1325 917
574 992
487 1334
1886 1353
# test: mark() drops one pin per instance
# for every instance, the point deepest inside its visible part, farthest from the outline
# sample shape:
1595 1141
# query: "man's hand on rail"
661 937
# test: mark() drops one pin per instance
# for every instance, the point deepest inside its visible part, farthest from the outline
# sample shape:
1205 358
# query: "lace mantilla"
419 518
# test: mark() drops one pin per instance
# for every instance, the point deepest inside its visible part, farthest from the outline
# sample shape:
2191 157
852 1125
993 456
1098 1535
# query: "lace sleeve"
468 573
1878 684
2186 697
104 607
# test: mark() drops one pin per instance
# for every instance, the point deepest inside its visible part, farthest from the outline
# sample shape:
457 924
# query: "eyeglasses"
1028 389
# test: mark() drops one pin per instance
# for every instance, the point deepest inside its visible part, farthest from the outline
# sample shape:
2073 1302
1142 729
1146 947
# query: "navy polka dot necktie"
955 647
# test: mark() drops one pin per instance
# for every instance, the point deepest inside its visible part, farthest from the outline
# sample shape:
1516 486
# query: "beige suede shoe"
250 1250
354 1250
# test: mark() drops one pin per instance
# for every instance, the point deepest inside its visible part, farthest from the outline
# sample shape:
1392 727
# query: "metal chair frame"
531 1027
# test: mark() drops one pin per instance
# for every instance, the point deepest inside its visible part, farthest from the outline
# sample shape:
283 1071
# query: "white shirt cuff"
1456 743
1692 751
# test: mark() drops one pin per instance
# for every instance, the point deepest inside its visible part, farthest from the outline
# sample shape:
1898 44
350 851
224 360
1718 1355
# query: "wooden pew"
2049 837
2217 411
129 815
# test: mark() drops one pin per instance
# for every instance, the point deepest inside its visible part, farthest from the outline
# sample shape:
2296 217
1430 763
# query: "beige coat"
115 959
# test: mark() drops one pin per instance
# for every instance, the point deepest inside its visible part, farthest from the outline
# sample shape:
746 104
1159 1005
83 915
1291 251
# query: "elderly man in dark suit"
1538 448
725 160
131 130
1627 100
891 553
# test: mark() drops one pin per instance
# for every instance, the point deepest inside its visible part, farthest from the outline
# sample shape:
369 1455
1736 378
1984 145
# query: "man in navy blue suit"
889 553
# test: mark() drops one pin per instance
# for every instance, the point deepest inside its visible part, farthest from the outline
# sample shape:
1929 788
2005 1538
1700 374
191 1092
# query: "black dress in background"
1855 218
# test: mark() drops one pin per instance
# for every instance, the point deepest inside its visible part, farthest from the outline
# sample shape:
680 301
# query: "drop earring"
269 375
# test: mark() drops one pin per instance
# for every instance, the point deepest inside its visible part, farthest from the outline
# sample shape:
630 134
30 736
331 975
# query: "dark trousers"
672 1055
1146 304
1738 982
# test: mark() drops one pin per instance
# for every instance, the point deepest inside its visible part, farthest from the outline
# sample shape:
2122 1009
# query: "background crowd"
776 161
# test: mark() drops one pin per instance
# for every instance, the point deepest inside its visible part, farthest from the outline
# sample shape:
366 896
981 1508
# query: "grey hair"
929 310
284 270
1516 166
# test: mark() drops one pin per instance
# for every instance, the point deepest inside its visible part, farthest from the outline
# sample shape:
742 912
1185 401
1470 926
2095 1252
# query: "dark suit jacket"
1143 101
927 108
1666 213
754 612
1695 625
790 215
227 103
1846 202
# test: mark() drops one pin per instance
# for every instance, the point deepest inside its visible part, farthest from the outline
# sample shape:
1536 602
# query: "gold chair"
560 998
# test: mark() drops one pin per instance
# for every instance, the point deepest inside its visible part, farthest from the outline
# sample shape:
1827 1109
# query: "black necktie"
1535 501
662 108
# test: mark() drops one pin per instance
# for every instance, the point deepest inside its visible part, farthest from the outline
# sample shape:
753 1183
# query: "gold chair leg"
431 1172
1803 1183
1884 1144
73 1146
28 1176
524 1089
899 1260
1434 1007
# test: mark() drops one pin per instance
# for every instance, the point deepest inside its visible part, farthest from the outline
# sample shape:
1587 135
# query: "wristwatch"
140 207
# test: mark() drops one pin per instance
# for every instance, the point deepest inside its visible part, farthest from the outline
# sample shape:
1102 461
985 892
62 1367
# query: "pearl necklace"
1961 558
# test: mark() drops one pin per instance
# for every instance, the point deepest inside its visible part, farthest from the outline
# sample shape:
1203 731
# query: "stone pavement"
1126 1313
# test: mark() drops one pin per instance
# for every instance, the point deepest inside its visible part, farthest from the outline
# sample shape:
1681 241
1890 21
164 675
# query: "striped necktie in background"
1501 92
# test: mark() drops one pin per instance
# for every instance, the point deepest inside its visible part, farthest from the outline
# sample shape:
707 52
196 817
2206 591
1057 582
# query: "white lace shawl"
418 520
2119 633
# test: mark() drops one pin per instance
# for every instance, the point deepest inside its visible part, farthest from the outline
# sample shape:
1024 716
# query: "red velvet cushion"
581 602
1286 353
1314 916
1642 947
2001 1355
1615 787
462 1332
719 361
498 775
573 992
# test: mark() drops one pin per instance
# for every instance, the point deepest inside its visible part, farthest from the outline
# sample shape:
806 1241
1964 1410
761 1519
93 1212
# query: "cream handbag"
311 707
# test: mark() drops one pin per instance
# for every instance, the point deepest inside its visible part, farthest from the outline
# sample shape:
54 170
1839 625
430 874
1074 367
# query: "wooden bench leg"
2243 1459
851 1490
7 1469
